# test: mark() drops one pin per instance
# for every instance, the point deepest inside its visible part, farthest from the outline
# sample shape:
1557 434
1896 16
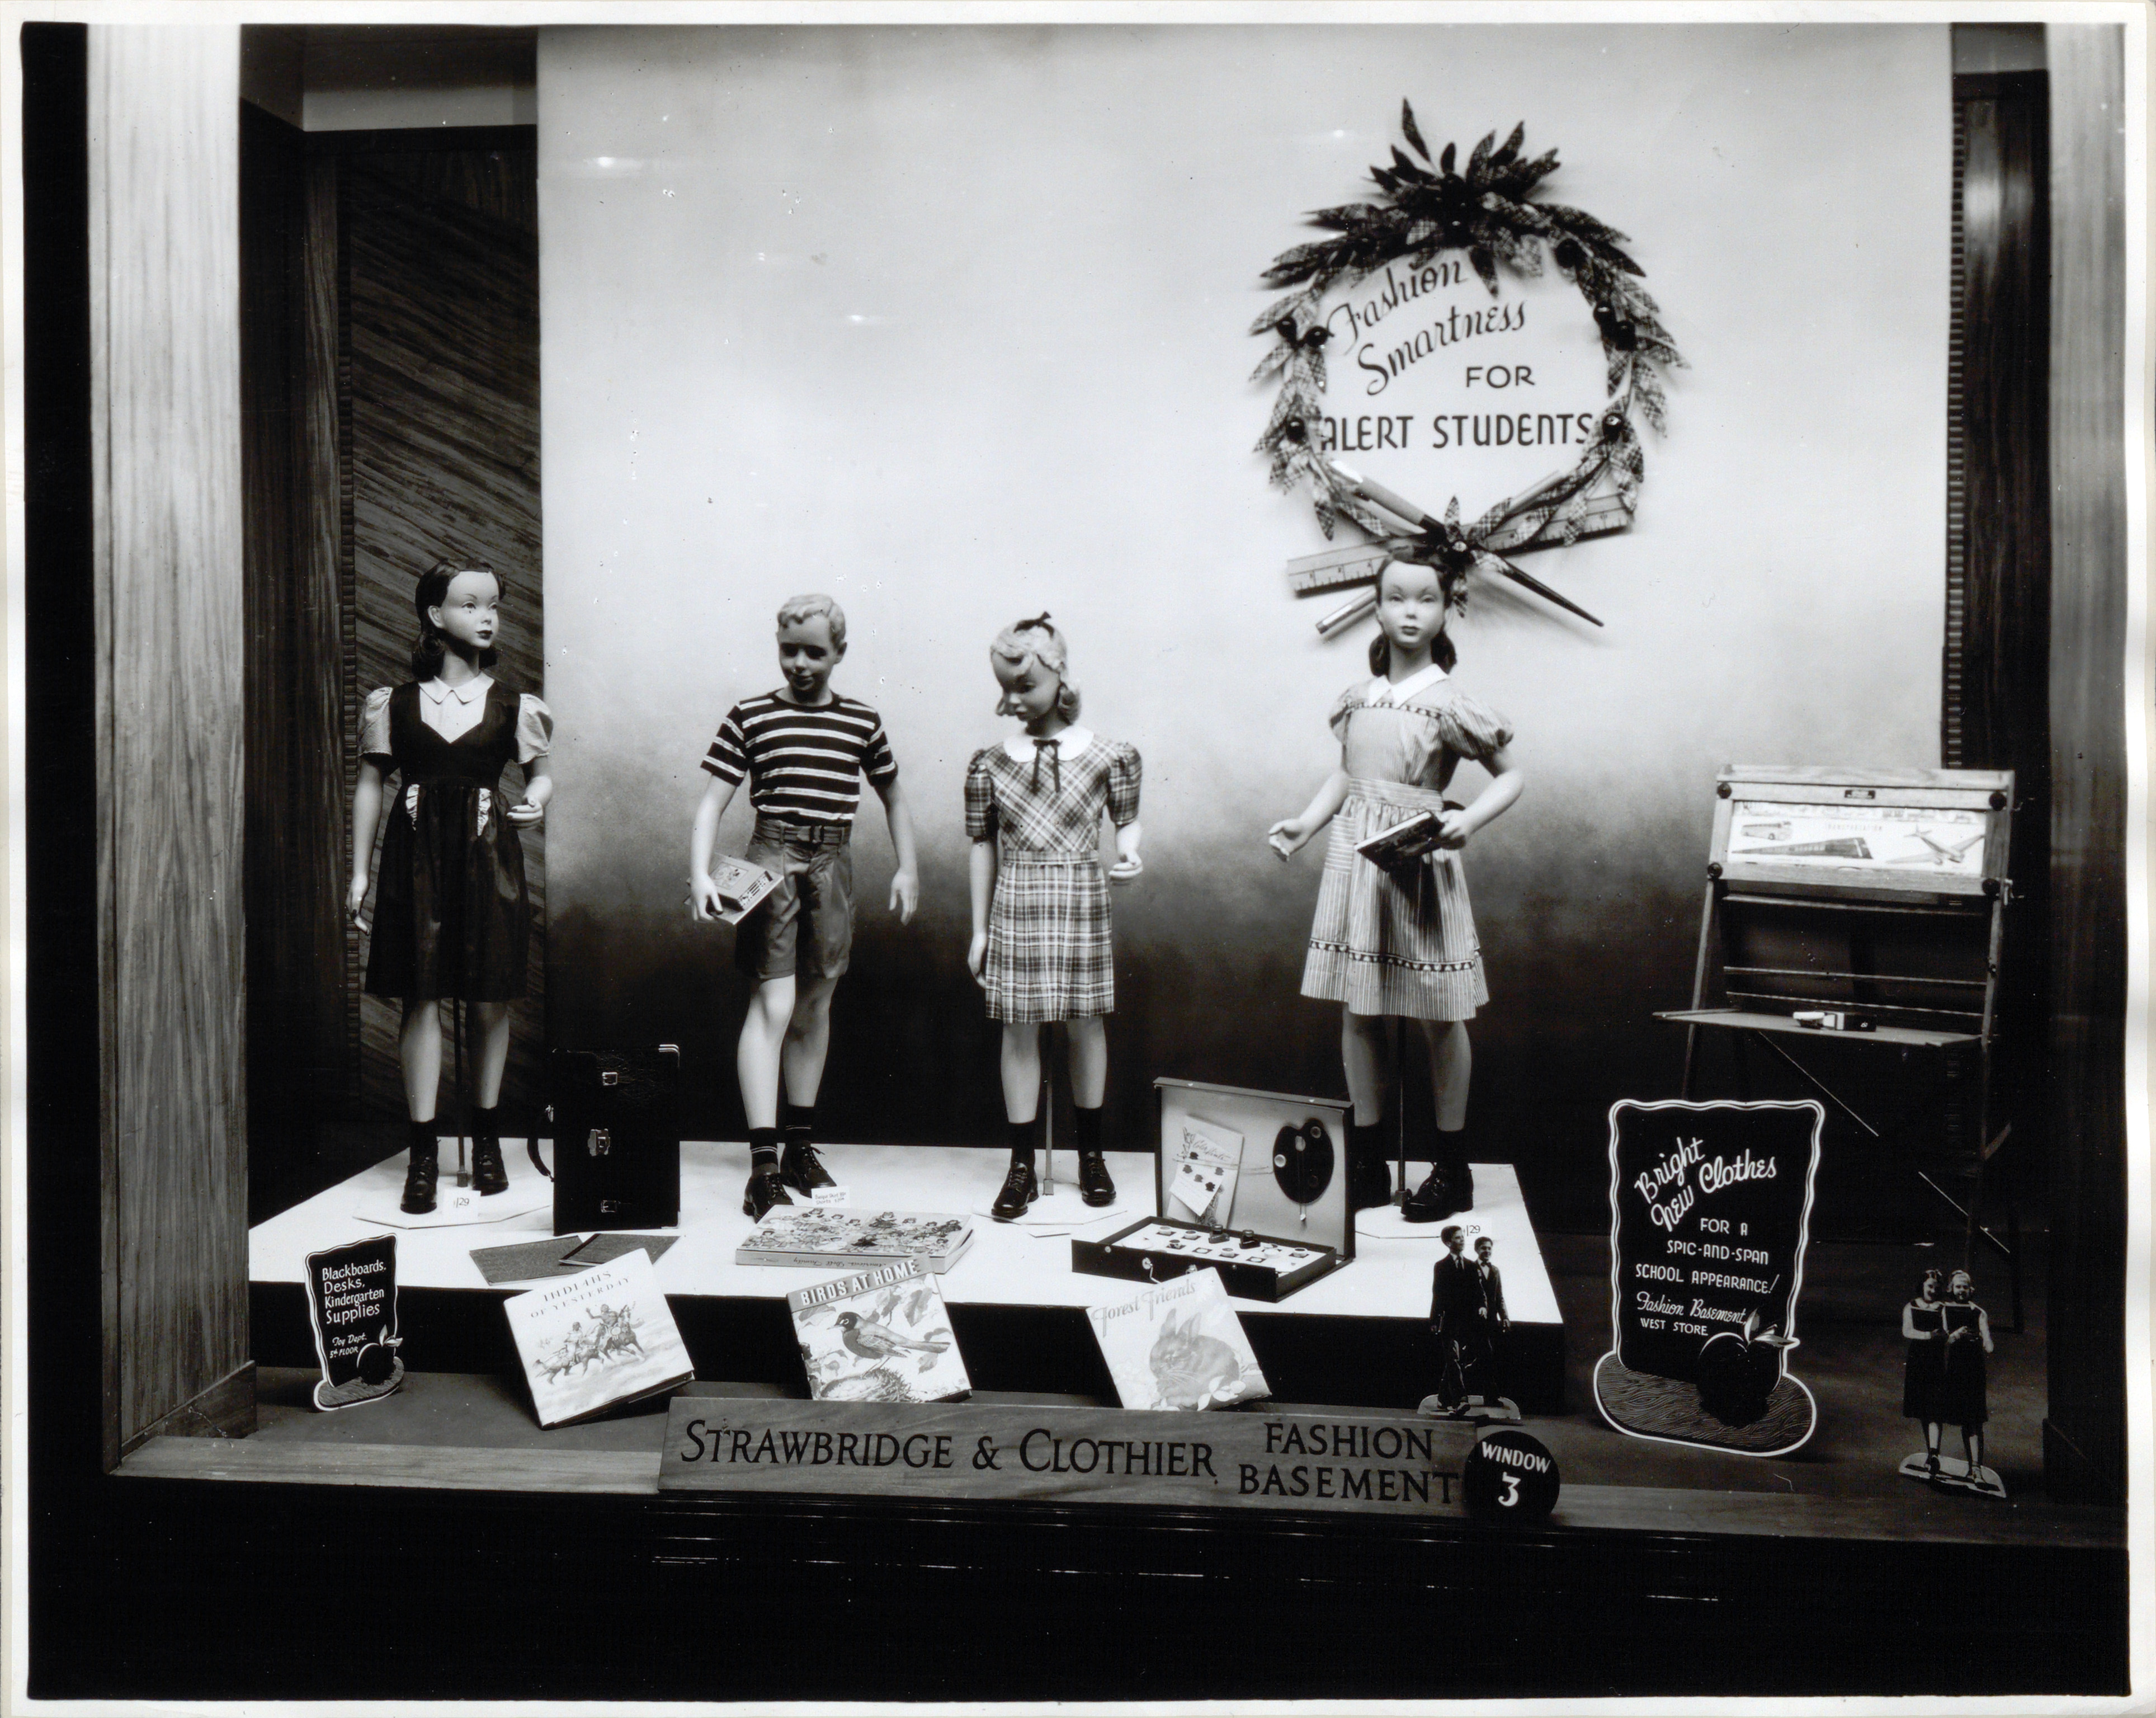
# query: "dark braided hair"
1442 652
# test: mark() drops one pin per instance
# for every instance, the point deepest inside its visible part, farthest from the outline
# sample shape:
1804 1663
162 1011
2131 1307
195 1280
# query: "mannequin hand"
1452 829
523 813
703 898
905 895
355 901
1125 868
977 958
1286 838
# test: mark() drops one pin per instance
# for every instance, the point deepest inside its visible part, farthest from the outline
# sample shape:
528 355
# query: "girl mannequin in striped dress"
1041 945
1400 942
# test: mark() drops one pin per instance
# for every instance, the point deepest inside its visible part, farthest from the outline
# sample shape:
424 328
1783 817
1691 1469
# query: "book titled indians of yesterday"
596 1339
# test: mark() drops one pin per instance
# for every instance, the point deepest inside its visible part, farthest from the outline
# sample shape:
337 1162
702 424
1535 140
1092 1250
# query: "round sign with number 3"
1509 1476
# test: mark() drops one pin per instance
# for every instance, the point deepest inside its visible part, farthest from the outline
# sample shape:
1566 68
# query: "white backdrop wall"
950 322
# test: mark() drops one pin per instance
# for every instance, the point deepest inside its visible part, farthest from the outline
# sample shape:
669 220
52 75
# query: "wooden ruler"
1360 563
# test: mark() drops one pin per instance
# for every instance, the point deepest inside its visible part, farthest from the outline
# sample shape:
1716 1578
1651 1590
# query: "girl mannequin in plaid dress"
1041 945
1400 942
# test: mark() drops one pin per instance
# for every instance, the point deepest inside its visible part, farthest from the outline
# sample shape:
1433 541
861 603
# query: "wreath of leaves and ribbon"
1490 212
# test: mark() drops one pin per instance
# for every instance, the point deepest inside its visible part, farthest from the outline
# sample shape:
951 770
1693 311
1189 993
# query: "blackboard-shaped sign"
1709 1206
351 1294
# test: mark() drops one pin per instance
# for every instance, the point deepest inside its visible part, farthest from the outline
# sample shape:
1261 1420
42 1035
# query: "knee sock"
762 1148
423 1140
799 1120
1089 1128
1022 1135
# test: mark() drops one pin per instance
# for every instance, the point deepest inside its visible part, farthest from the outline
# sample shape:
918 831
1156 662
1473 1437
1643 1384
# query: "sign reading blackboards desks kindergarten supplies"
351 1300
1387 1465
1710 1205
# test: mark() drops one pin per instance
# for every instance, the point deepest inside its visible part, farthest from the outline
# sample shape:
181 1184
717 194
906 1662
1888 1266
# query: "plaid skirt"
1393 943
1049 953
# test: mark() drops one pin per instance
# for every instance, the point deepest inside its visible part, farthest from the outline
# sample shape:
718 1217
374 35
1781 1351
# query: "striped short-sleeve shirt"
802 761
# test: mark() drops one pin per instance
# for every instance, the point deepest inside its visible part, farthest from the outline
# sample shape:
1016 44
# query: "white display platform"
1389 1278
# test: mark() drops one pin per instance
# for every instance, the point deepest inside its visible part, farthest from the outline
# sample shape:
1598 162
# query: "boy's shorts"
804 926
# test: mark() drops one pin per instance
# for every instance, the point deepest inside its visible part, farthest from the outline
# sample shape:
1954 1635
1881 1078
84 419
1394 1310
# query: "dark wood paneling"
502 182
440 310
1997 669
164 176
225 1410
299 1059
2085 1432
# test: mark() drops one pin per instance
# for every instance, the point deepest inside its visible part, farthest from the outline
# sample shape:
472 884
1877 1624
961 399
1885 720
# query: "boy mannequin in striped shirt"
802 750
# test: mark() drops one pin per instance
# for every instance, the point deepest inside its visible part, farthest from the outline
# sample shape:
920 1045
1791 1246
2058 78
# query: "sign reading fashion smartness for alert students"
1437 388
1710 1204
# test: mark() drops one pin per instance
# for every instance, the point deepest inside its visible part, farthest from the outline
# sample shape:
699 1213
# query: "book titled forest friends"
881 1335
597 1340
1178 1346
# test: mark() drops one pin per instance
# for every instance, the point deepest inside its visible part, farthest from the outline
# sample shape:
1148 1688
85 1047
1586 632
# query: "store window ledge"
471 1432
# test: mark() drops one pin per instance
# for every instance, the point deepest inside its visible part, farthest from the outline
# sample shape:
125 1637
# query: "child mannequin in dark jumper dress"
452 915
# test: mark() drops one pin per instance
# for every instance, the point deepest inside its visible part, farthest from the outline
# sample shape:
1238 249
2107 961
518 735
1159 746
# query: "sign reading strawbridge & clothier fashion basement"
1390 1465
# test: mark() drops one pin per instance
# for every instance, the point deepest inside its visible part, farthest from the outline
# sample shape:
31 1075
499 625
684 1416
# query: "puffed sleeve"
1343 706
535 729
1125 771
1471 727
980 798
374 729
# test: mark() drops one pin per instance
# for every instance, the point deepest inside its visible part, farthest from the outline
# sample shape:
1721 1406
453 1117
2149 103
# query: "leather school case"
617 1138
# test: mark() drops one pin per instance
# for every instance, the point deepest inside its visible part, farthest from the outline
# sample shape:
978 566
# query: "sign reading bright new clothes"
1710 1205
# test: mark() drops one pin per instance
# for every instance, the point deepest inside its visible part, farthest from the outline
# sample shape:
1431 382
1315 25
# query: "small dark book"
1404 843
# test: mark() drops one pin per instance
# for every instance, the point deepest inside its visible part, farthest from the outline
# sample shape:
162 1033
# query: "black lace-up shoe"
420 1177
1369 1179
766 1188
489 1174
1095 1185
1434 1199
1019 1190
802 1171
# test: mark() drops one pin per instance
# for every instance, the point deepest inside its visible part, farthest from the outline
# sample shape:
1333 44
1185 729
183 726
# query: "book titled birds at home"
600 1339
879 1335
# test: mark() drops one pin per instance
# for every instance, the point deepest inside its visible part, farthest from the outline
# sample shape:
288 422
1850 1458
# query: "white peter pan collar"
1384 691
471 692
1020 747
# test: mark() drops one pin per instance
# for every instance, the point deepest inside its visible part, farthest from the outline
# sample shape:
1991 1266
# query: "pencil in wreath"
452 915
803 750
1042 945
1396 938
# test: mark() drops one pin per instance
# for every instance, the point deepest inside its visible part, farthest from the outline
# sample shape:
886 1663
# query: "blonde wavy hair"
1038 640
